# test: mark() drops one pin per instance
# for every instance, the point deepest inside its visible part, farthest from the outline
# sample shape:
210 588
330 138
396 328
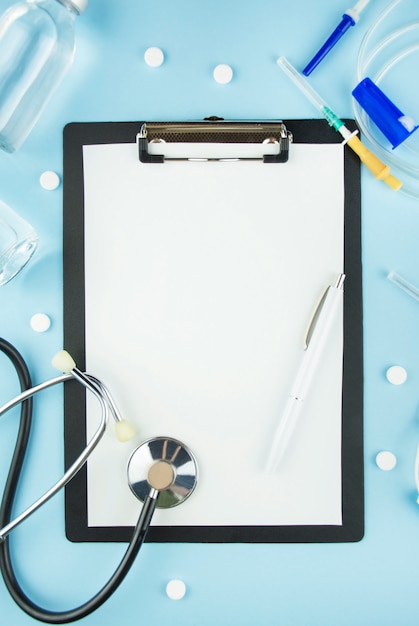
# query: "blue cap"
392 122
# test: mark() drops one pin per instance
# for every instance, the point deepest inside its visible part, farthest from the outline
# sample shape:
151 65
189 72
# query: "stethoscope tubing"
98 390
72 615
149 498
144 519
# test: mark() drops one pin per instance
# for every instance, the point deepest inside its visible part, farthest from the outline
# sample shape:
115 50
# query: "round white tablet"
386 460
40 322
396 375
175 589
153 56
49 180
223 74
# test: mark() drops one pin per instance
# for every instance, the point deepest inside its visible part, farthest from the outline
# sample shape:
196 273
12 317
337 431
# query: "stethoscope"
161 472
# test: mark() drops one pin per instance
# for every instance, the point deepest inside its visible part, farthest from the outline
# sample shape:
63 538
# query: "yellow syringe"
380 170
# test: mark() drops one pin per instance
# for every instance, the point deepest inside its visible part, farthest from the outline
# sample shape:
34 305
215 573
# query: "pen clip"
337 285
314 319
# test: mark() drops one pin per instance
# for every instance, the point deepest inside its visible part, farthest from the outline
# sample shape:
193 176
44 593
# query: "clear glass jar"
18 242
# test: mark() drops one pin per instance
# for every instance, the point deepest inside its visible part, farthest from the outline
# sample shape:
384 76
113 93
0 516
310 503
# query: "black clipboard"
303 132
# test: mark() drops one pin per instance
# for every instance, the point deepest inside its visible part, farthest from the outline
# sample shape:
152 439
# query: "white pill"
40 322
396 375
153 56
386 460
175 589
49 180
223 74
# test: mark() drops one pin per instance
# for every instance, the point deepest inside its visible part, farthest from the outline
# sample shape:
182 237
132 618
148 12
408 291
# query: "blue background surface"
370 582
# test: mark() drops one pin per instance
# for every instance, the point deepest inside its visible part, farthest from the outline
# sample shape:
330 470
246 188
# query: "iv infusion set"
161 473
391 45
389 51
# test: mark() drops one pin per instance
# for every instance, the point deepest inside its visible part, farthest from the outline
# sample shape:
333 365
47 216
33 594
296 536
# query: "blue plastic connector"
346 22
392 122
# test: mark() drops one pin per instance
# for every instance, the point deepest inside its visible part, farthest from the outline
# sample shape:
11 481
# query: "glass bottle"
37 47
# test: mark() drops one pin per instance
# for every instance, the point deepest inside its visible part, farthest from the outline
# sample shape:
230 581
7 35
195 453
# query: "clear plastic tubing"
365 59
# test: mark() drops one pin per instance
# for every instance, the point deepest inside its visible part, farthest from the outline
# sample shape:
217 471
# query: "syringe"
380 170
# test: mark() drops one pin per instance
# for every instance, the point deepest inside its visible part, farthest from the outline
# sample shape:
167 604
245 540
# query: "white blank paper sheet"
199 290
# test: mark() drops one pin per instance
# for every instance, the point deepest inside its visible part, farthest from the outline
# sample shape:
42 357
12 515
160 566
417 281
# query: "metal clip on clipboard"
213 139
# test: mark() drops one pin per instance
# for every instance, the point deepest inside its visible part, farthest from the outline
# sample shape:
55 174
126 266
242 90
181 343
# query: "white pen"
316 340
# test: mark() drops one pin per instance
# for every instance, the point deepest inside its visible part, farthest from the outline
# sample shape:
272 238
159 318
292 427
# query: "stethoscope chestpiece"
164 464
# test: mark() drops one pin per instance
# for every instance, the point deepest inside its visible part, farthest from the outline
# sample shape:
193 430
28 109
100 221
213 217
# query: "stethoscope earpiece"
166 465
